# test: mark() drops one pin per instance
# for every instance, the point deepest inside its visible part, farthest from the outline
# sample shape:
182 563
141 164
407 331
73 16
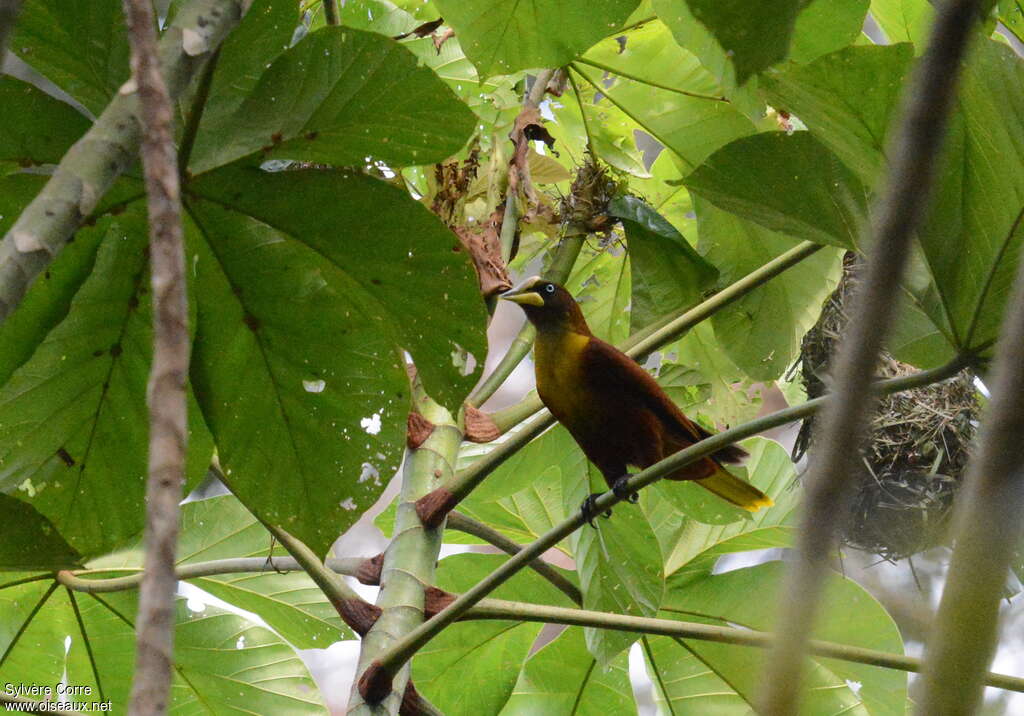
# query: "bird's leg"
589 511
621 489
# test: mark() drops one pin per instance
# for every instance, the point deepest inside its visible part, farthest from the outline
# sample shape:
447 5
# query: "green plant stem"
411 556
502 609
914 149
646 81
391 661
110 146
564 259
463 523
91 581
638 347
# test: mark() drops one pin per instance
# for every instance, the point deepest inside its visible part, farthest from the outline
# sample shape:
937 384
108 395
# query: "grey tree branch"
109 147
168 435
914 157
988 530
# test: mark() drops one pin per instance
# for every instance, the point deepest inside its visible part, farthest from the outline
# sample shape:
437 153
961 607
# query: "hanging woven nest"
917 448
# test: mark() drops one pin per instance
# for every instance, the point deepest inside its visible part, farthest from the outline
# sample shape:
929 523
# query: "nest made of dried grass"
917 447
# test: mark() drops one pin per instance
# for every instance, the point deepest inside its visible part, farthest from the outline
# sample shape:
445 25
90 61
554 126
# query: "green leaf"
221 528
668 275
761 332
619 566
733 399
49 296
563 678
35 128
754 34
486 655
31 541
377 16
361 96
73 418
690 548
264 33
1011 14
501 36
222 661
792 184
82 47
904 20
847 100
665 91
392 255
748 597
824 26
600 282
972 236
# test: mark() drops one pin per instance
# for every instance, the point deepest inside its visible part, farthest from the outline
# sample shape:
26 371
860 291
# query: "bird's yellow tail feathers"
732 489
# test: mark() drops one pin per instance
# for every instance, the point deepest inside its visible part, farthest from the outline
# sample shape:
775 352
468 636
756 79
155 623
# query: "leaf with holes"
296 360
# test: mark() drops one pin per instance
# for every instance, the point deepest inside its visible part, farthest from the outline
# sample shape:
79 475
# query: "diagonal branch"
380 673
109 147
433 507
914 155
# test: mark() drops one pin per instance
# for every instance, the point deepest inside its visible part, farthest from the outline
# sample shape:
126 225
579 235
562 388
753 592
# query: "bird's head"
547 305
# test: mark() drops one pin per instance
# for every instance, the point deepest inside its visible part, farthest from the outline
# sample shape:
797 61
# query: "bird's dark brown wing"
615 376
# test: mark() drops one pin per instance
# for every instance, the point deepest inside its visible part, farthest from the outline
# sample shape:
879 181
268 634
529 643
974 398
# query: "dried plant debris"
917 448
586 205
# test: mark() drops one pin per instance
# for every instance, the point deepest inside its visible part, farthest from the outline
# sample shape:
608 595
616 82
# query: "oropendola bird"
612 407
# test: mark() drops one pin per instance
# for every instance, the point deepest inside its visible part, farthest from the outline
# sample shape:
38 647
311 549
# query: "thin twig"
501 609
378 676
463 523
828 487
151 683
331 12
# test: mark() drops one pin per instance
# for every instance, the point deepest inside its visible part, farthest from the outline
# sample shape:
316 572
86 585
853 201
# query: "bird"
613 408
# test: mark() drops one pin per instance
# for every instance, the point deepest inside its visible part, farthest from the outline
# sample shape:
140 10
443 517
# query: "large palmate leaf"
221 528
361 96
73 418
847 100
222 661
563 678
668 275
691 547
761 332
485 654
971 239
301 380
753 34
727 677
49 37
30 540
664 90
501 36
35 128
788 183
618 563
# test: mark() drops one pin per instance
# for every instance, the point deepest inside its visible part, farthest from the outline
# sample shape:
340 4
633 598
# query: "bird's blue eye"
550 288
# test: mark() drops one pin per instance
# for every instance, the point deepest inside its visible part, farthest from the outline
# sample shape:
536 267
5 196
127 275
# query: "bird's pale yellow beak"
524 294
